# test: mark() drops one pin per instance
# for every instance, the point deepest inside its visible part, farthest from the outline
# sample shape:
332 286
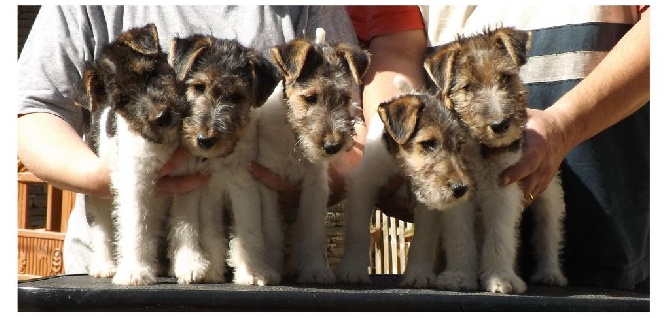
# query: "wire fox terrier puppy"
306 123
479 80
415 136
427 141
137 106
225 84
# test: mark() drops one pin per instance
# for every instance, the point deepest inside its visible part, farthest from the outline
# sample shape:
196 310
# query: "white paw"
457 281
549 277
189 267
102 270
320 274
134 276
504 283
261 276
353 273
418 278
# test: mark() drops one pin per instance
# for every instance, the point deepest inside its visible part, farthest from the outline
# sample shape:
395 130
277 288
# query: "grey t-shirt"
63 38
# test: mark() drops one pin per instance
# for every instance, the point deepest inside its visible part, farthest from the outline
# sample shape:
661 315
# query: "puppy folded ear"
357 59
515 42
265 78
184 52
143 40
91 93
439 65
294 57
400 116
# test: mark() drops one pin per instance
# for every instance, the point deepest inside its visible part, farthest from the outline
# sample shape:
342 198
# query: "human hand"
288 192
171 185
543 151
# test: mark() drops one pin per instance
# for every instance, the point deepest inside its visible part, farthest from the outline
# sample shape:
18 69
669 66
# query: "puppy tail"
403 84
320 36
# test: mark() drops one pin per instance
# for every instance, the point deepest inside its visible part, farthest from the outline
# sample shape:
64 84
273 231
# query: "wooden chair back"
40 250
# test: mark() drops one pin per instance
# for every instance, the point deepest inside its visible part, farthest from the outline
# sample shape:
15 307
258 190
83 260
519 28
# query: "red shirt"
371 21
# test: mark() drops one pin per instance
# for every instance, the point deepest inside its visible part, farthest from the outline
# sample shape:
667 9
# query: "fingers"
289 193
178 157
268 178
171 185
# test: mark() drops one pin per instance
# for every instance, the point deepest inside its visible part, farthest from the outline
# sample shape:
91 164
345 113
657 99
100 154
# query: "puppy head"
319 80
133 78
426 139
478 77
224 81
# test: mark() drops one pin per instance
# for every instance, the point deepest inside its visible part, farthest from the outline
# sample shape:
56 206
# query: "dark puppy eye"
428 145
199 87
309 99
123 100
505 78
463 87
459 146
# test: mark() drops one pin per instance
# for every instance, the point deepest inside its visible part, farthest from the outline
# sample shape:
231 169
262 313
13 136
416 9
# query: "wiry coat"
478 78
306 123
225 84
137 107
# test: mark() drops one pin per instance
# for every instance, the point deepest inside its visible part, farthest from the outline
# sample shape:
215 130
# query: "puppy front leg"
139 222
247 247
548 211
273 234
373 172
460 248
213 236
187 261
501 213
419 271
103 263
308 234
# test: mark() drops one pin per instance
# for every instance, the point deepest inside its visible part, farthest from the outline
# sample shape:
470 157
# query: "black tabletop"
83 293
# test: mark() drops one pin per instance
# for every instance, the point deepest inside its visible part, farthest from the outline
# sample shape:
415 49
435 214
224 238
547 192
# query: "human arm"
399 53
616 88
52 150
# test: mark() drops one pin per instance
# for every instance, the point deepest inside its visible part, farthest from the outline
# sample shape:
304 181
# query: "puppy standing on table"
306 123
225 84
479 80
415 136
137 106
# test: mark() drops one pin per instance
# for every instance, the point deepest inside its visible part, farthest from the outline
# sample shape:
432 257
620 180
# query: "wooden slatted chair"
390 240
40 250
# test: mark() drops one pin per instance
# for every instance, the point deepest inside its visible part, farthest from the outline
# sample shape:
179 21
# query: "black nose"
500 127
206 142
164 119
332 148
459 190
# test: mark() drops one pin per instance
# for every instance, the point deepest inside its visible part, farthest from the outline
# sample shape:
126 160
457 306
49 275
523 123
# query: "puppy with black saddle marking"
478 78
137 106
426 140
306 123
416 137
225 83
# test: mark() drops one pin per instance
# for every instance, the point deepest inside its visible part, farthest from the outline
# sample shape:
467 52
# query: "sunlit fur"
137 108
478 77
306 123
225 84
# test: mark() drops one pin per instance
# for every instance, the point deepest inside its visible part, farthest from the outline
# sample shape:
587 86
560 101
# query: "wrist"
564 129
